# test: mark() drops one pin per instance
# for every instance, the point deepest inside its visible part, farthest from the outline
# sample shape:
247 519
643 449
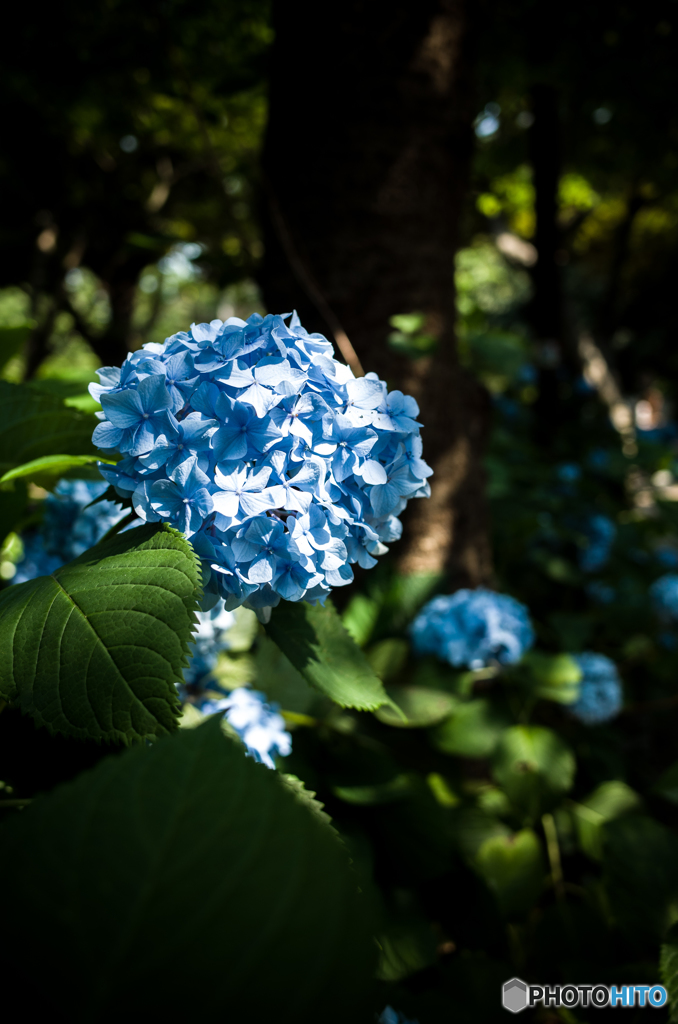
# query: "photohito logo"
517 995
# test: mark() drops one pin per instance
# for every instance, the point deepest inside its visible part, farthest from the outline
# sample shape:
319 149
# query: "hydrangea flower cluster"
600 693
281 467
68 527
664 595
473 628
258 724
600 532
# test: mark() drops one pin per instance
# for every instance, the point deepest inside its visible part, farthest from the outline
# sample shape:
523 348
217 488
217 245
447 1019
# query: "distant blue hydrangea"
280 465
600 532
664 596
600 693
391 1016
68 527
473 628
257 723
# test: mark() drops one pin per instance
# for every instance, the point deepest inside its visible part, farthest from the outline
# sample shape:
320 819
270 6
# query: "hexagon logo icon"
514 995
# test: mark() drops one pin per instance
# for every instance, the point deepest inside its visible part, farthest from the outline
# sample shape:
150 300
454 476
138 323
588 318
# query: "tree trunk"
365 165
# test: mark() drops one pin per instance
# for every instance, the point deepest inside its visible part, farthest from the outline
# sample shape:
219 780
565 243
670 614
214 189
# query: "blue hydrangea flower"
391 1016
281 466
68 527
664 596
473 628
257 723
600 532
600 694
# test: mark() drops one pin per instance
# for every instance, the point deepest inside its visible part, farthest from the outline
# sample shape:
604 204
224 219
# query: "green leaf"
34 424
94 650
422 707
184 852
668 970
512 867
607 802
48 466
283 684
399 788
316 643
360 618
534 768
473 730
307 798
388 657
472 827
553 676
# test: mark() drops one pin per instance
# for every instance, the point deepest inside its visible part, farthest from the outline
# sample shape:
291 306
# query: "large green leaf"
534 768
183 881
47 467
34 424
316 643
94 650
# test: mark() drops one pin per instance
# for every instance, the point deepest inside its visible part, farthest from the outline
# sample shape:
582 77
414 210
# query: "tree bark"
365 164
